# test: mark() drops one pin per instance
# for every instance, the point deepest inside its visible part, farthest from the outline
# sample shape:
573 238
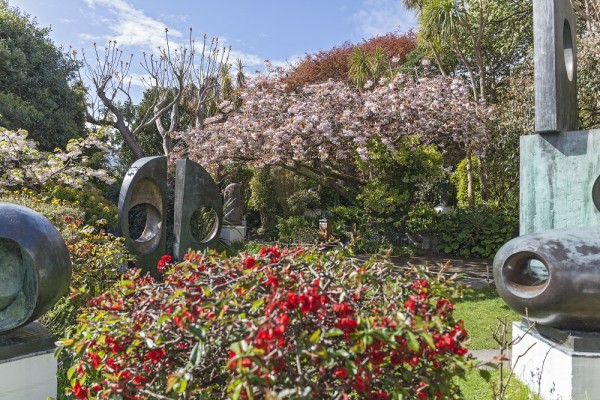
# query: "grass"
475 387
480 310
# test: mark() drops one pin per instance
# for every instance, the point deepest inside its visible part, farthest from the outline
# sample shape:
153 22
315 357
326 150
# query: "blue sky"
276 30
258 30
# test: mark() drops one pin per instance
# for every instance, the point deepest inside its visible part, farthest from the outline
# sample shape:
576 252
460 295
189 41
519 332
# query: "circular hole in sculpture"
568 50
526 274
204 224
145 222
12 272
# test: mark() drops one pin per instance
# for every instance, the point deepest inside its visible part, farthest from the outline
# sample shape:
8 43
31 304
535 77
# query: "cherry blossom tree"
320 129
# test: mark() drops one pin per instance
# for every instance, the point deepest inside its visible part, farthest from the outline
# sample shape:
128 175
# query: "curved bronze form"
194 189
145 183
35 268
553 277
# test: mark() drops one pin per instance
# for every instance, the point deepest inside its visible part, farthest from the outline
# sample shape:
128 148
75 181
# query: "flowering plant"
24 165
300 323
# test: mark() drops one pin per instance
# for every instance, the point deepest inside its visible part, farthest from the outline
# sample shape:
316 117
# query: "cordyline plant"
301 323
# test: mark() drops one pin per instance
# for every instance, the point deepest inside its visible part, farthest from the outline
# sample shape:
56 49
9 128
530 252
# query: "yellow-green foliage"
55 211
90 199
98 259
459 180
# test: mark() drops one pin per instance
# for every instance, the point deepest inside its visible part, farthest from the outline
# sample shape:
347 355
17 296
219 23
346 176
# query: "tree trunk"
470 194
120 124
438 61
483 180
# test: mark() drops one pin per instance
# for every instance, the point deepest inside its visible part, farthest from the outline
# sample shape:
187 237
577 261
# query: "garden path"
475 272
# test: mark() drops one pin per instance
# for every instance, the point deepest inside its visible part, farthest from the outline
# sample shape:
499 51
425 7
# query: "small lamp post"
324 229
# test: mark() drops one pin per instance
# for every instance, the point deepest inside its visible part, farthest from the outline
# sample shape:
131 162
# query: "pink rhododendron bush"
300 323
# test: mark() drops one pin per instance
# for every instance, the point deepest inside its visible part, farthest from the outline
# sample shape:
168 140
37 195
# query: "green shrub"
263 199
89 198
55 210
297 229
295 323
351 226
303 201
478 231
345 222
459 180
98 259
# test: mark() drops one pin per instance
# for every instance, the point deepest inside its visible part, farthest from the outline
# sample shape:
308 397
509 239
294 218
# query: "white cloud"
131 27
249 60
292 60
140 80
382 16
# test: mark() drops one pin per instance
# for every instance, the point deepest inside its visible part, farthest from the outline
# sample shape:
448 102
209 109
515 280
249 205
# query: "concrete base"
233 234
27 364
559 365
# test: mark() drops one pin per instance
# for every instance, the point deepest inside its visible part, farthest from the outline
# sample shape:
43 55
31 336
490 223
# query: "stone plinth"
233 234
560 365
27 364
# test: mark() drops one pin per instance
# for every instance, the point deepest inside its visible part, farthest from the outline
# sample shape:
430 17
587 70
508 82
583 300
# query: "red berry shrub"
298 323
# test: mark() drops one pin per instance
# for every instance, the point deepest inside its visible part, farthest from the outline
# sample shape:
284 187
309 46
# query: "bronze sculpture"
35 268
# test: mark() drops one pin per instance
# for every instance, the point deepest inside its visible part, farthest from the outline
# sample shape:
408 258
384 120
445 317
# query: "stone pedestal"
27 364
560 365
231 234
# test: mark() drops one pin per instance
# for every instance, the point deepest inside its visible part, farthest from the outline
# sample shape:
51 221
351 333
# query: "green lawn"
482 311
474 387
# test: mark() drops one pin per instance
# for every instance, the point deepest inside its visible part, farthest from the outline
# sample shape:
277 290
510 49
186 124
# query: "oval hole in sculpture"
204 224
145 222
526 274
568 50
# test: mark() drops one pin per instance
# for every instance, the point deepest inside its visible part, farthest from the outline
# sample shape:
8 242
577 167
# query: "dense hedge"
278 324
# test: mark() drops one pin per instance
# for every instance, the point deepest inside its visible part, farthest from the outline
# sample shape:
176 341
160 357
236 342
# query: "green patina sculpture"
194 190
12 273
145 184
551 274
35 267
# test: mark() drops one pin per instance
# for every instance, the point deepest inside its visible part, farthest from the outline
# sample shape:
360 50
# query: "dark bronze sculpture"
35 268
553 277
194 189
145 184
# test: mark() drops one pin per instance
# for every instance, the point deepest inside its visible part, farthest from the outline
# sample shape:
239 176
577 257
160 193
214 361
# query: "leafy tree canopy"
336 63
34 82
